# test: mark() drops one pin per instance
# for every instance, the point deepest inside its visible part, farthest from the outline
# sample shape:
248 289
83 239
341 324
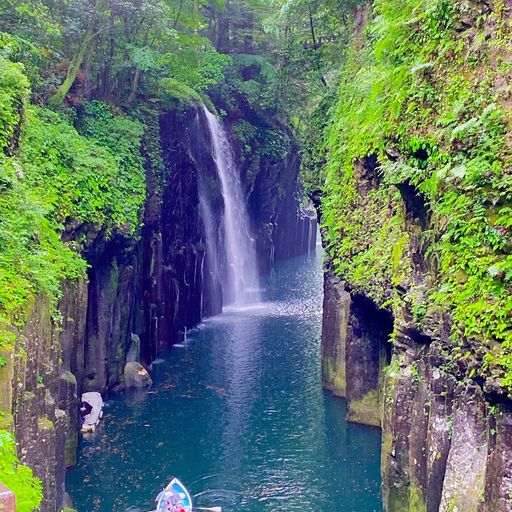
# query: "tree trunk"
135 85
56 100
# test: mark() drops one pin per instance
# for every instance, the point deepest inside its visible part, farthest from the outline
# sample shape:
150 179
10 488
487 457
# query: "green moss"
386 450
6 421
45 423
18 478
334 376
398 253
68 377
366 410
417 500
426 101
6 377
70 450
398 500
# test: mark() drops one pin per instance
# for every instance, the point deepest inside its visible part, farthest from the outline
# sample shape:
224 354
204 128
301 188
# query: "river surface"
239 415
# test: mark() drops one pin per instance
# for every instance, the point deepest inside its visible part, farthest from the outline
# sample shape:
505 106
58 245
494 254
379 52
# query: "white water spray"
241 281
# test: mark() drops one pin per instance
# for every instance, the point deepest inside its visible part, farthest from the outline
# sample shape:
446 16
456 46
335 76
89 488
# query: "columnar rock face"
284 228
355 350
446 445
141 295
40 412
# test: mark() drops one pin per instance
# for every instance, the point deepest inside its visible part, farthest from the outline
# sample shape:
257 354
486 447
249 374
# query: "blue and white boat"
174 498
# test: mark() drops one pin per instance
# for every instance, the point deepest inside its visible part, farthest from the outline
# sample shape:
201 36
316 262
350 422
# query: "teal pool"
239 415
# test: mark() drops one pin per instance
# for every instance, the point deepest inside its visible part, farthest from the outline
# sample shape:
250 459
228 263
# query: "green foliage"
60 182
128 47
18 478
253 79
13 94
313 141
421 96
172 89
86 180
194 62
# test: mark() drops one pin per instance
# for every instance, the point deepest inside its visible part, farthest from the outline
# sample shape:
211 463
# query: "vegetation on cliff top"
423 106
56 186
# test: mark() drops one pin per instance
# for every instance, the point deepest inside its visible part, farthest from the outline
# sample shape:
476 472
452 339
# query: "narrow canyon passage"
238 413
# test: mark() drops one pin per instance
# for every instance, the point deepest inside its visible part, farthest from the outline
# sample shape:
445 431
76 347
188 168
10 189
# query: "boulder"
136 376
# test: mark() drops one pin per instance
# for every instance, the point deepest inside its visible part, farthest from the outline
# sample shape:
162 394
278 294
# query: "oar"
209 509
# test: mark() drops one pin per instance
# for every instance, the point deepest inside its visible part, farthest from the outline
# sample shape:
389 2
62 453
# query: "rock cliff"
417 294
145 290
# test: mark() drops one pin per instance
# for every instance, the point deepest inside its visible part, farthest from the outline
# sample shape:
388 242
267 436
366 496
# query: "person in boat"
174 504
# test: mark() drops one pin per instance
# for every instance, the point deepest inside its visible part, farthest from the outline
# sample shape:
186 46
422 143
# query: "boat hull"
174 495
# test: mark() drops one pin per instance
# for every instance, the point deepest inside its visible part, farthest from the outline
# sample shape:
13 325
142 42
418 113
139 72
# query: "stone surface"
498 486
133 355
7 499
464 482
367 349
6 379
136 376
336 313
355 350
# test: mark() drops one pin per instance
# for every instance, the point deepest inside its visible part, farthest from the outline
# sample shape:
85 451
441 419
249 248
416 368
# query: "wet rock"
367 352
498 486
67 502
439 434
136 376
6 378
399 395
355 350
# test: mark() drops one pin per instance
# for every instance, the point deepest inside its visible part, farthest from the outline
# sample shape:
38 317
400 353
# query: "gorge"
173 175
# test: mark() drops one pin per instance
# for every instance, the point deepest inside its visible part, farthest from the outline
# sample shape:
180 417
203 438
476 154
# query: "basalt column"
355 349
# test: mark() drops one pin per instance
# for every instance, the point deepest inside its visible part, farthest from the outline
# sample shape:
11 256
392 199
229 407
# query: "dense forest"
400 111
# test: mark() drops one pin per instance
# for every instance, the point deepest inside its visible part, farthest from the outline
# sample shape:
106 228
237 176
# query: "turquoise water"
239 415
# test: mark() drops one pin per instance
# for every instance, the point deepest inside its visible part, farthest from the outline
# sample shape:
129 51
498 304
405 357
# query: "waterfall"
212 280
240 281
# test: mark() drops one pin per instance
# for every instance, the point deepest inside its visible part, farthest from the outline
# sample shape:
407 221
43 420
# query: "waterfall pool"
239 415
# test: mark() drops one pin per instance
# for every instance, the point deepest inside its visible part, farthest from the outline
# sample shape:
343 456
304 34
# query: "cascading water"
212 284
241 281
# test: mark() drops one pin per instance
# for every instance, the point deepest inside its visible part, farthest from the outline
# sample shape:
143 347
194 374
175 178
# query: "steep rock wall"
284 227
445 443
140 291
418 225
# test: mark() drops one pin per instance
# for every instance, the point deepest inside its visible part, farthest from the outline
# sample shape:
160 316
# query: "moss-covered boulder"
136 376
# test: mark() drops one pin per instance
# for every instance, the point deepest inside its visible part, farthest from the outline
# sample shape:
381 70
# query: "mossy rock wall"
416 214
